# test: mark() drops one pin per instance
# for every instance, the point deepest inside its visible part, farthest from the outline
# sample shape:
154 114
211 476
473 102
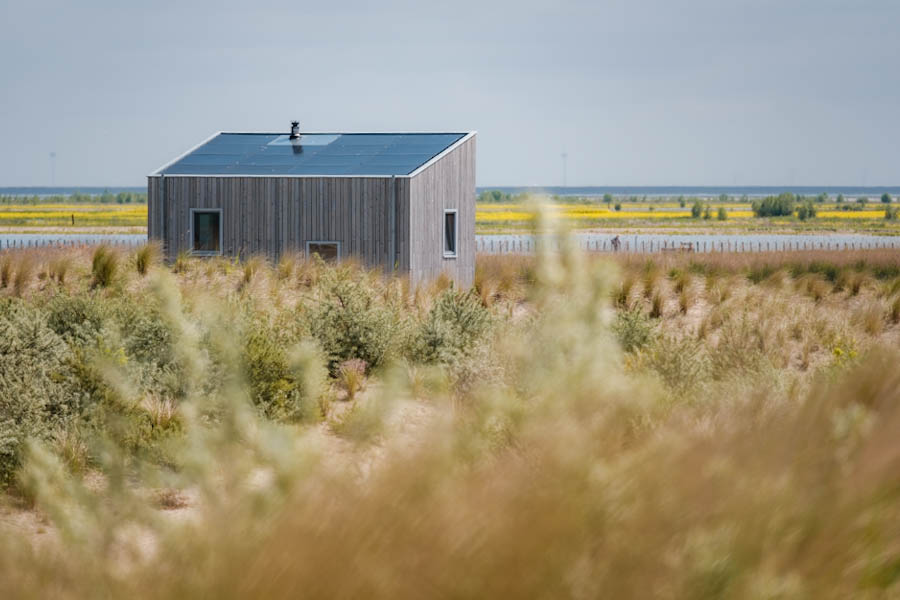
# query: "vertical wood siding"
274 215
449 183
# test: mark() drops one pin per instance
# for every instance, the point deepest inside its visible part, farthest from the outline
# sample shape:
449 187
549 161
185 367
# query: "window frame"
218 252
335 242
455 253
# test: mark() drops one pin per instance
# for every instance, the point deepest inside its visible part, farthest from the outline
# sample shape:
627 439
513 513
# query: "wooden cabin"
404 202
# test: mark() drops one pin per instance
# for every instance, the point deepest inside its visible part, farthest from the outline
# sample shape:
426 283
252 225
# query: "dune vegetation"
720 426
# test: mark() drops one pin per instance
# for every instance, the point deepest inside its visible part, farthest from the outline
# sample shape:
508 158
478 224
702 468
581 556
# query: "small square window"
450 233
327 251
206 231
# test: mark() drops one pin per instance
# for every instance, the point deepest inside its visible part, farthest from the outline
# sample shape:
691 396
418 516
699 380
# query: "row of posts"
525 246
13 243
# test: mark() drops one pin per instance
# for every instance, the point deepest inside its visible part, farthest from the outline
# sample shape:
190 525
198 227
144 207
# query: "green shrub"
723 214
453 326
104 265
350 320
775 206
696 209
633 329
77 319
284 387
806 211
34 397
146 337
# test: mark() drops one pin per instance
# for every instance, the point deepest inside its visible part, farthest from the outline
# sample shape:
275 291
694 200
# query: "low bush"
451 329
284 386
633 329
77 318
34 396
350 319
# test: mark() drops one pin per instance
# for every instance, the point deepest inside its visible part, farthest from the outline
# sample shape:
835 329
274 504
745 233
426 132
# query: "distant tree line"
78 198
786 205
497 197
781 205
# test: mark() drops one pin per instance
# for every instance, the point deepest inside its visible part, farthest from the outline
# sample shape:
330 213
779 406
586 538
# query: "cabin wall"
154 209
274 215
446 184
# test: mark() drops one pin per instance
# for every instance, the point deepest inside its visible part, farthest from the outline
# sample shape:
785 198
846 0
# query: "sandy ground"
407 418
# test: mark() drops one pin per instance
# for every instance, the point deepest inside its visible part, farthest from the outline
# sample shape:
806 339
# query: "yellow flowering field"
498 213
850 214
84 215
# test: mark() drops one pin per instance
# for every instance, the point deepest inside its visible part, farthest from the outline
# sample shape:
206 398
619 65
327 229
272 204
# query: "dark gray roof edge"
345 133
465 136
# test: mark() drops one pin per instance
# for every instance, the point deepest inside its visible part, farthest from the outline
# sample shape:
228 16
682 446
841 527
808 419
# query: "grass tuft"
146 257
104 266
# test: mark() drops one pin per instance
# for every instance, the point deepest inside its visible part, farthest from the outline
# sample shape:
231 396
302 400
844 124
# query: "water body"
653 242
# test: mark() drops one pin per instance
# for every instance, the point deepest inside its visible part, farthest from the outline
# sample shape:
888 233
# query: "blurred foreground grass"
688 427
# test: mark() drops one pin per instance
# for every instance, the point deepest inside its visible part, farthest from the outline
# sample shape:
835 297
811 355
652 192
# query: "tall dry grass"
549 462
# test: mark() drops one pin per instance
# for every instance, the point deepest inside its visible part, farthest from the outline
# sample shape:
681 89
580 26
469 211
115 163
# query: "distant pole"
53 169
564 157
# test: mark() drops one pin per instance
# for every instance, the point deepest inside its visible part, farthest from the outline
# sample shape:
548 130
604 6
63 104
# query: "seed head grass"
175 434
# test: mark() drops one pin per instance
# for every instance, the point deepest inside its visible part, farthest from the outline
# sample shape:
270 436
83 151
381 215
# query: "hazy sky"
662 92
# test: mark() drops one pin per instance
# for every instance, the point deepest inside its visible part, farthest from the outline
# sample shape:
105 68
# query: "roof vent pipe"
295 130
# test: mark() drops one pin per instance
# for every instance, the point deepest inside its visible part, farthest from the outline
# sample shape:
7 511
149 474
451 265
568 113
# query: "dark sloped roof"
313 154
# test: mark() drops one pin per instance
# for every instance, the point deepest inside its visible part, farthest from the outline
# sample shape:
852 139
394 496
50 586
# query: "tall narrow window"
450 233
206 231
327 251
